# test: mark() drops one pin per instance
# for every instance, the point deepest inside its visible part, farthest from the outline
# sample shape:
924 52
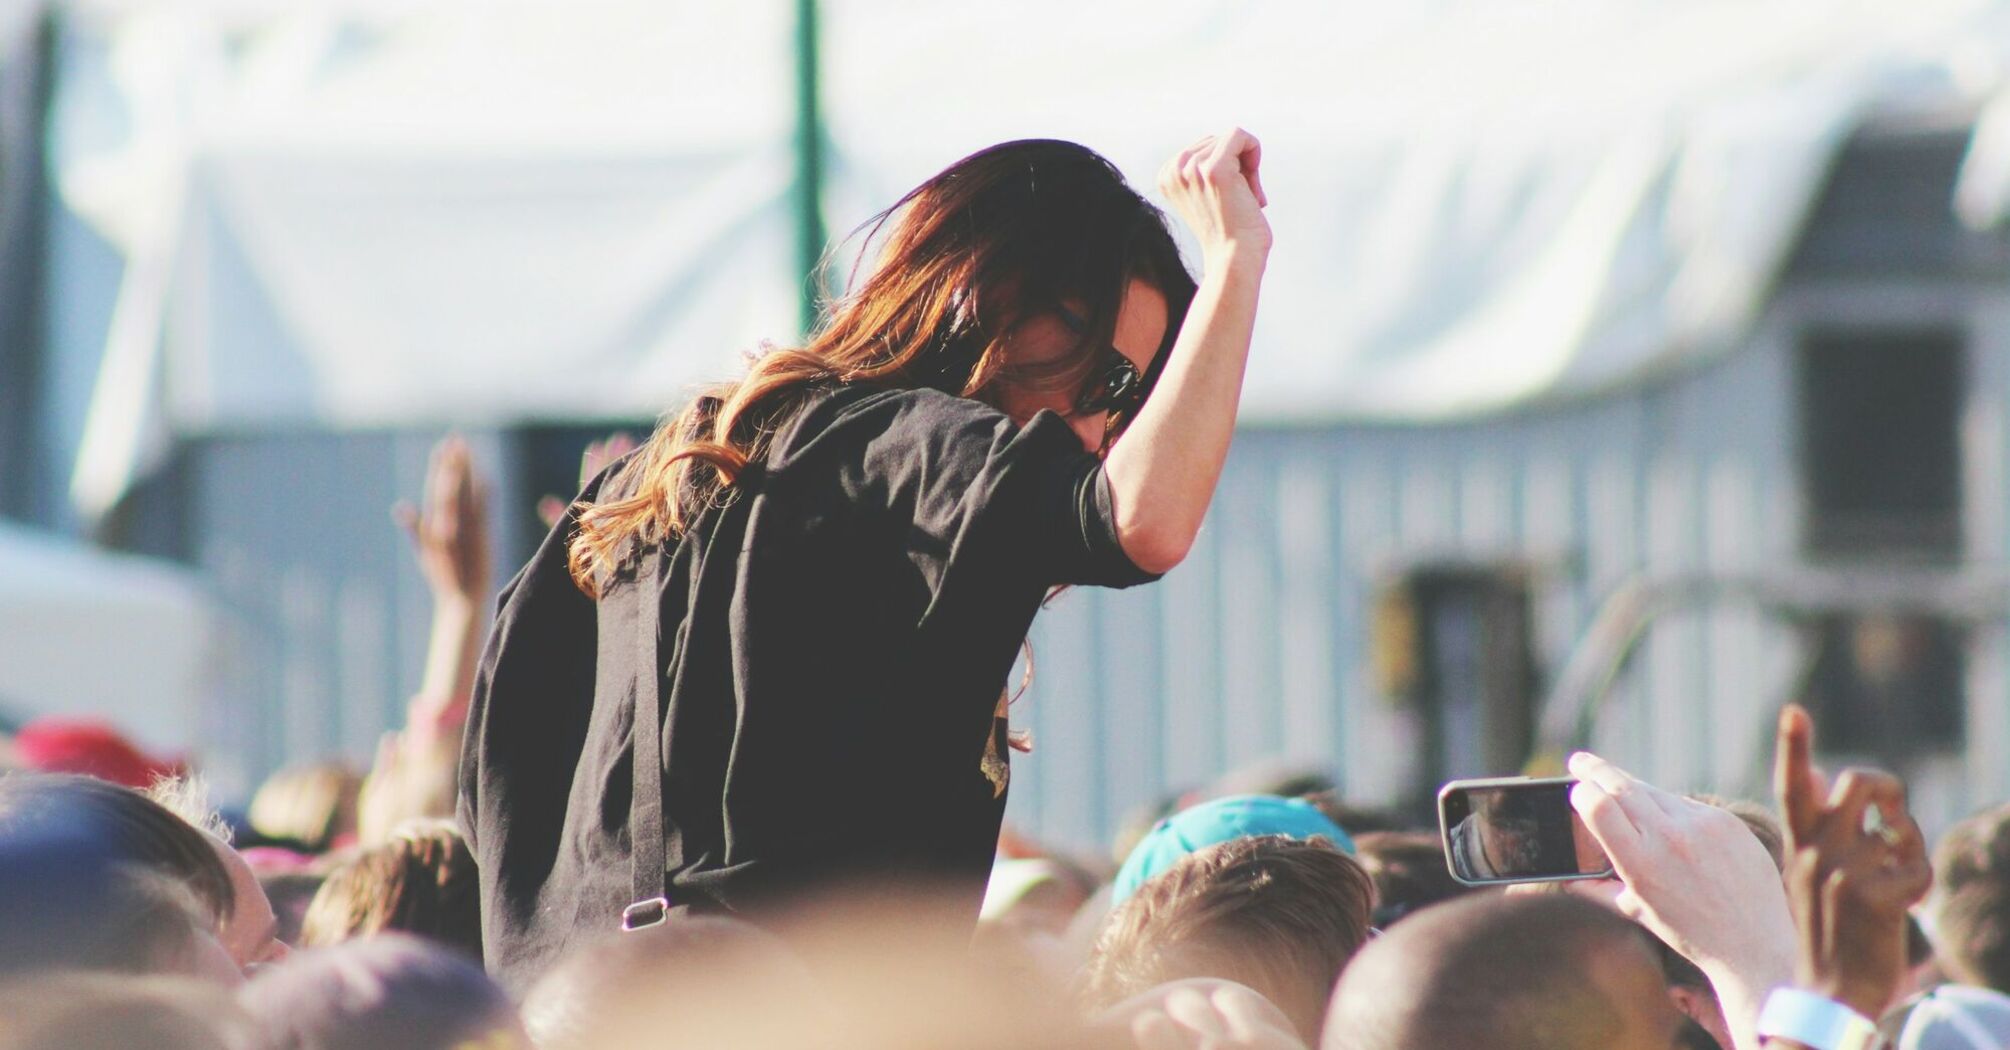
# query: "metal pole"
28 489
809 165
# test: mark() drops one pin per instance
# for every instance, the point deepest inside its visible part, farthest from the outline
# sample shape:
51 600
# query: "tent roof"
372 213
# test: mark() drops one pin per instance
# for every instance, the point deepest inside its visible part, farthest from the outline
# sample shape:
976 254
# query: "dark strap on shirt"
648 881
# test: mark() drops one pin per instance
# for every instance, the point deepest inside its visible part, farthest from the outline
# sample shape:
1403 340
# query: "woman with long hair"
805 594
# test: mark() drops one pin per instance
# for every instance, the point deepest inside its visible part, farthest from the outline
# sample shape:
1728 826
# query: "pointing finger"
1793 781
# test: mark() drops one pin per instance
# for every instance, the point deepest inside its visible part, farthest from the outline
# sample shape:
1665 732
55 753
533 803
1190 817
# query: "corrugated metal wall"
1257 647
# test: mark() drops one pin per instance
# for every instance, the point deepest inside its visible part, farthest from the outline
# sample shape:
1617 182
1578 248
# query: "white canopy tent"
1476 204
479 212
126 639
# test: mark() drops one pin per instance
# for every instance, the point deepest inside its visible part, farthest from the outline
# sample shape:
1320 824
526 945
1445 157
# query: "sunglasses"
1117 387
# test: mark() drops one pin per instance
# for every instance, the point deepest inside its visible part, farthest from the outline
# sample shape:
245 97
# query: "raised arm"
1856 862
1163 469
450 538
414 771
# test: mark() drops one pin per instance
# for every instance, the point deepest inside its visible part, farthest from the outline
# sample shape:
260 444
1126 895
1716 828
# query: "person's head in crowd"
1139 821
1287 779
704 977
1970 908
89 747
1221 820
1409 872
251 931
98 876
422 882
290 893
1277 914
98 1011
1763 824
1950 1017
1538 972
312 804
387 993
1357 820
66 908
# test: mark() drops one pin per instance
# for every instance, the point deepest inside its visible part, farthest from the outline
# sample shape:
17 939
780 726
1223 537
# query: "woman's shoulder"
926 403
856 417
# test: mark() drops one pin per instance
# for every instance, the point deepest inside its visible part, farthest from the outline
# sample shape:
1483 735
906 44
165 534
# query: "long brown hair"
1001 236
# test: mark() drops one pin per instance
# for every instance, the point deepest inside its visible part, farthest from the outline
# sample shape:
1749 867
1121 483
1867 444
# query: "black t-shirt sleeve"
972 485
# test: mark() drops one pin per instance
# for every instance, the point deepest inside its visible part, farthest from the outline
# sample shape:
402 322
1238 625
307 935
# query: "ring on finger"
1875 824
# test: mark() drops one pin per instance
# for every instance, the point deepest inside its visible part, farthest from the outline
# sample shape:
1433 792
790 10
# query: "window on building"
1881 478
1454 642
1880 449
1887 686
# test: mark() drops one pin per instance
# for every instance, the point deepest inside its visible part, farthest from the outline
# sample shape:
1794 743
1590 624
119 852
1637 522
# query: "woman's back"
835 640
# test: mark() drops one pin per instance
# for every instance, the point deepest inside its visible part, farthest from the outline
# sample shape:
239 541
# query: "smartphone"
1516 829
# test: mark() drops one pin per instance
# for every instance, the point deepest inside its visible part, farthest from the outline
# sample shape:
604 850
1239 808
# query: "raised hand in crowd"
415 768
1855 864
450 534
1696 876
1200 1013
595 459
450 538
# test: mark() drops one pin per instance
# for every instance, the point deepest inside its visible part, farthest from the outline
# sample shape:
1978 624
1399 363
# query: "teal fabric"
1222 820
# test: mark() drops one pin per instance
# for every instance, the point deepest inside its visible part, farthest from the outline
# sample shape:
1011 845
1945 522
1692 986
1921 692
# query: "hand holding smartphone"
1506 830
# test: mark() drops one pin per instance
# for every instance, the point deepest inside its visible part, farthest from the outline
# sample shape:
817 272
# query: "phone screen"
1517 831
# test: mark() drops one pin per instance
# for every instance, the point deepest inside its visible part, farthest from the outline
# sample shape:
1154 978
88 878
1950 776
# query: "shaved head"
1506 972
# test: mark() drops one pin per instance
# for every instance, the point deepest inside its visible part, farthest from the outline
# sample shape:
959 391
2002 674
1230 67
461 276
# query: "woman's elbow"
1156 551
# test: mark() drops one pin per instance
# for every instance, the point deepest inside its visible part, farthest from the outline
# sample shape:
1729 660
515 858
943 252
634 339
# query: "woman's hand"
1215 188
1855 863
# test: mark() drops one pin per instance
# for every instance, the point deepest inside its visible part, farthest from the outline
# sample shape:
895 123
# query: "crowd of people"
808 589
137 917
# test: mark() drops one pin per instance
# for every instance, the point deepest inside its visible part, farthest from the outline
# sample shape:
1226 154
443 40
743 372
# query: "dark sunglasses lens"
1115 390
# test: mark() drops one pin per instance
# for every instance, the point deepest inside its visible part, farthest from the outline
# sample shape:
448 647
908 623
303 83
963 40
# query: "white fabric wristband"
1813 1021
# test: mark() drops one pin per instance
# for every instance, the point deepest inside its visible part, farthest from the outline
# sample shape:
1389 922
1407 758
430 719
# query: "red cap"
58 745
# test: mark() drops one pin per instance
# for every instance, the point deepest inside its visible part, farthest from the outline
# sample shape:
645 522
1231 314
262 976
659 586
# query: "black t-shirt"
836 638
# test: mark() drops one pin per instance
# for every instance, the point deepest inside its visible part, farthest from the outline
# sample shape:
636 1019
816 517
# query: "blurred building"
1611 397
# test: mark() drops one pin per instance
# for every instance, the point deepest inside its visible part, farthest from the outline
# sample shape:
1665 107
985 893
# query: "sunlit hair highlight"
998 238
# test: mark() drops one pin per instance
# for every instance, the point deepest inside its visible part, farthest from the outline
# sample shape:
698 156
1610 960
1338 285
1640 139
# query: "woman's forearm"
1163 470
